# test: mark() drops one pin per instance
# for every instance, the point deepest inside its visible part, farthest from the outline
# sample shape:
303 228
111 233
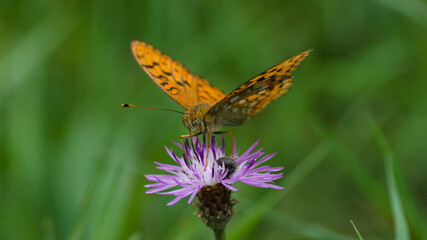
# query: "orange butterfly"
207 107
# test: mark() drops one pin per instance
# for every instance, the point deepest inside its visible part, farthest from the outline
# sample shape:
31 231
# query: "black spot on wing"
173 90
185 83
167 73
161 77
260 79
149 66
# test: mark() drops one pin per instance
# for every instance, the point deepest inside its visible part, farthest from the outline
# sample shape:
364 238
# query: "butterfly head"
193 122
194 119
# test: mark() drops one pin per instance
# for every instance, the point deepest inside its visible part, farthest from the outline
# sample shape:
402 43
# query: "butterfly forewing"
171 76
253 96
208 93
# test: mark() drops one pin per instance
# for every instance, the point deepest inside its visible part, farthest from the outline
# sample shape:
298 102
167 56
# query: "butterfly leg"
191 140
209 146
232 140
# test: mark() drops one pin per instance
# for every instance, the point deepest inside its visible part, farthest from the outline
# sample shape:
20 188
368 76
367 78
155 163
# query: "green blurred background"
72 161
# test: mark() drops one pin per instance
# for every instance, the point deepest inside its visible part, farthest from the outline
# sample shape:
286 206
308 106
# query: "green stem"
219 234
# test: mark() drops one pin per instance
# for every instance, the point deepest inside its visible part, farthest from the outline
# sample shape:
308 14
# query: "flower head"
201 167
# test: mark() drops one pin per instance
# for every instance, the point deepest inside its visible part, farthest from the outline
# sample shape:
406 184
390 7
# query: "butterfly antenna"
171 110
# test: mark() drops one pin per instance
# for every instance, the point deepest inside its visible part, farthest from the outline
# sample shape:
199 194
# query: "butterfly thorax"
196 120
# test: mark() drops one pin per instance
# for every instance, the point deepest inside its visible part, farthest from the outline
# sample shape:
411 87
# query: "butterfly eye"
196 121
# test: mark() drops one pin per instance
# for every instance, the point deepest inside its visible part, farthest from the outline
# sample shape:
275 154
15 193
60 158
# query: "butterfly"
207 107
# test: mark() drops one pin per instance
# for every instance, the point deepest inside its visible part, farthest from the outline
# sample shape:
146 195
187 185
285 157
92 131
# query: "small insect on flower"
199 168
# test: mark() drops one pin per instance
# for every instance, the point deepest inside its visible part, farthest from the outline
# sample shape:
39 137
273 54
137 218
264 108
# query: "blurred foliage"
72 161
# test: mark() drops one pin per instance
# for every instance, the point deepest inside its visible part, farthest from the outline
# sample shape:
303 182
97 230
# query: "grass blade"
357 232
400 224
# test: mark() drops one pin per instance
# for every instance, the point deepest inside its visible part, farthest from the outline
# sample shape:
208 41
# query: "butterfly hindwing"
254 95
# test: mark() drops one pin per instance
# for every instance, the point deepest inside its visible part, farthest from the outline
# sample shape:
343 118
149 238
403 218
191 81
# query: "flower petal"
198 167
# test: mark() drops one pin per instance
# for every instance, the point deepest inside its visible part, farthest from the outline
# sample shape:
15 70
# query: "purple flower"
196 169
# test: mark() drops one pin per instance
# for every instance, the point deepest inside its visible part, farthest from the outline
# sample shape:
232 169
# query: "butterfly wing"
254 95
184 87
208 93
